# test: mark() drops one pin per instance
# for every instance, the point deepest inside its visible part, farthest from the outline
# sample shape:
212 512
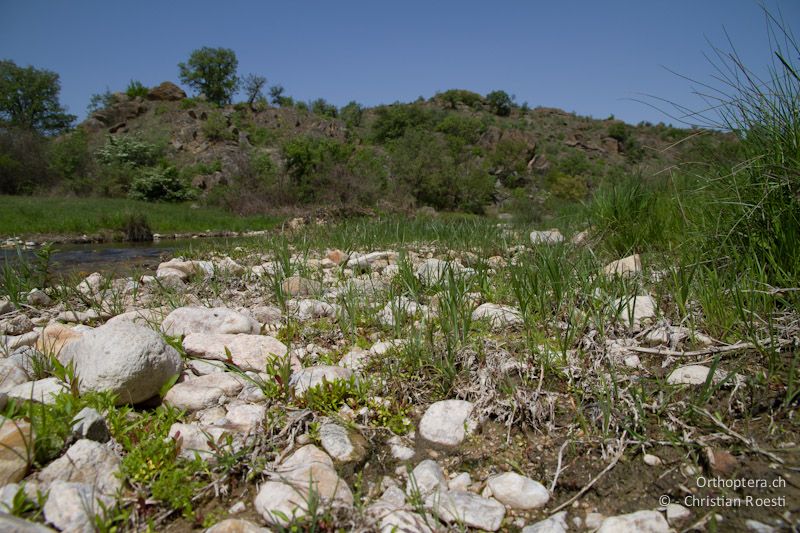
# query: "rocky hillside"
452 152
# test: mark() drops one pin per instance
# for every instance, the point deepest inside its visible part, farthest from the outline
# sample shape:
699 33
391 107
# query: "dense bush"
392 121
72 162
160 184
312 163
453 97
23 162
500 103
423 165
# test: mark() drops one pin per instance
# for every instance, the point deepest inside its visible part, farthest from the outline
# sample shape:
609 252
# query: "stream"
120 258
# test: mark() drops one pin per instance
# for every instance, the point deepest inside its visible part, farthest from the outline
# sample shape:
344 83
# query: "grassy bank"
32 215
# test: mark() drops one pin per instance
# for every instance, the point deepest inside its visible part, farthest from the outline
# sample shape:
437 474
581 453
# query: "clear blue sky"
589 56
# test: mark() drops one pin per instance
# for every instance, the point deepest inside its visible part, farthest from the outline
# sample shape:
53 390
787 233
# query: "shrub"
321 107
101 101
352 114
160 184
215 128
466 129
128 151
136 89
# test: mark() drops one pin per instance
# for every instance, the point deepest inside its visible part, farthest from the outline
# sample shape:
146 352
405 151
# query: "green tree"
500 102
29 99
212 71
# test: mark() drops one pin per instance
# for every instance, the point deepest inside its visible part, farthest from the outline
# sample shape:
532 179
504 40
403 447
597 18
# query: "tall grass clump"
631 214
757 215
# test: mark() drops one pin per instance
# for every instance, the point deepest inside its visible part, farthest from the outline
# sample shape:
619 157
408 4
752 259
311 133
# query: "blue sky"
591 57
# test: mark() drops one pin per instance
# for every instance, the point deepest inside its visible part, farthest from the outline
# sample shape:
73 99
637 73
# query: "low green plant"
330 396
135 89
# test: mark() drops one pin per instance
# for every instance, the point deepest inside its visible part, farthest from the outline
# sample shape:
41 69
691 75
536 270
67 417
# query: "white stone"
313 376
10 343
248 352
518 492
140 317
204 391
89 424
307 470
78 317
245 418
72 506
193 440
11 524
555 524
432 271
357 260
236 525
11 374
635 309
401 448
461 482
402 521
382 347
499 316
356 359
651 460
677 513
552 236
447 422
640 521
131 361
341 444
186 320
629 266
184 269
468 509
42 390
693 375
759 527
87 462
427 478
309 309
267 314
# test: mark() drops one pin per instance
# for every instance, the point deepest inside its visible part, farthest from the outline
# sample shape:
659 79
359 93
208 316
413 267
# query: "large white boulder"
131 361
